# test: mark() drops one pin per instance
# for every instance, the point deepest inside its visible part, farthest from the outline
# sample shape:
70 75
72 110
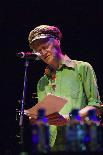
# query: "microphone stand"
22 106
21 124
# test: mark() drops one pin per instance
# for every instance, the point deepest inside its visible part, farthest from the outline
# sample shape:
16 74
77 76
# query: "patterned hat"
44 31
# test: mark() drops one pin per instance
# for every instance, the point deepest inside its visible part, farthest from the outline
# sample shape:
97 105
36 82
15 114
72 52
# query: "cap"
44 31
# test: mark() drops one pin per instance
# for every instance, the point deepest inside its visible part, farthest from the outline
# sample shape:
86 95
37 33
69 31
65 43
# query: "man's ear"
59 42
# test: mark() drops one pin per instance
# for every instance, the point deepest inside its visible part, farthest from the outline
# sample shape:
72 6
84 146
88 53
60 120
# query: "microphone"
29 55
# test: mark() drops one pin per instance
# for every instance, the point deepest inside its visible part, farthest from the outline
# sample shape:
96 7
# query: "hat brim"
40 37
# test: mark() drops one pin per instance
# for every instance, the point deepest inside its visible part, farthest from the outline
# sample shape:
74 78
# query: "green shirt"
76 82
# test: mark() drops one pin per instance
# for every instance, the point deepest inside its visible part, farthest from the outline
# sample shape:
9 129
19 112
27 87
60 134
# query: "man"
64 77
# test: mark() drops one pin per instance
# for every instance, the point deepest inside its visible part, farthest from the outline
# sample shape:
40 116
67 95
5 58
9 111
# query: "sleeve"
41 93
90 85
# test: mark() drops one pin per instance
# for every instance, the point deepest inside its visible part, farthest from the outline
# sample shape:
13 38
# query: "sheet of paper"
50 103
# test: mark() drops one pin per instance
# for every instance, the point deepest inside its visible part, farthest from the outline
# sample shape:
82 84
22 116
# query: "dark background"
81 24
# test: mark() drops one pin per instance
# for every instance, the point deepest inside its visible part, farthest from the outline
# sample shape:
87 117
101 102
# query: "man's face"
49 50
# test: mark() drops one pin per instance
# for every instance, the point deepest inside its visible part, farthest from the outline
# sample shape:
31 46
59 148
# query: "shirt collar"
67 61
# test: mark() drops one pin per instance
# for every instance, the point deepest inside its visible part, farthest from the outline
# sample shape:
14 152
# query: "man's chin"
49 61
